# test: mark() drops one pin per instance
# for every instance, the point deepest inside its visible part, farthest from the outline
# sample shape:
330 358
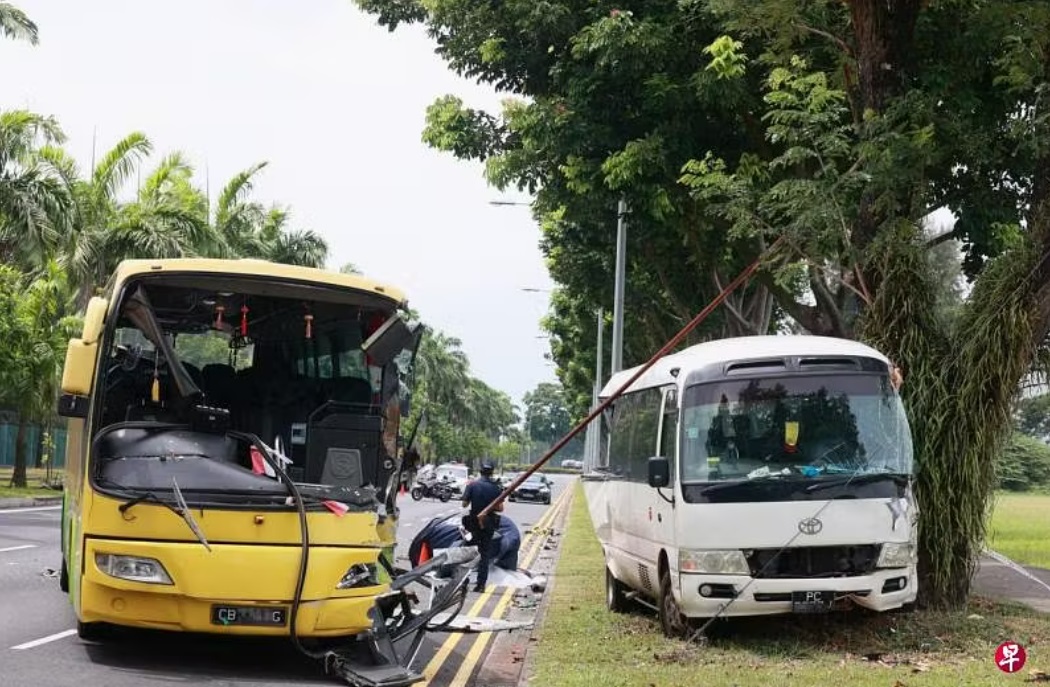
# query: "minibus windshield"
803 427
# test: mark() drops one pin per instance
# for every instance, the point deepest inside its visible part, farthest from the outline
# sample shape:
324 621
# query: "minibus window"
804 426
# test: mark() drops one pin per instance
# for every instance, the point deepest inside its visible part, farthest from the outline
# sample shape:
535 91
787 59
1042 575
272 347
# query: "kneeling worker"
478 495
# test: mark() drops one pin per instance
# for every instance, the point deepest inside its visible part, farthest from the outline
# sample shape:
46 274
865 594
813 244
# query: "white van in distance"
755 476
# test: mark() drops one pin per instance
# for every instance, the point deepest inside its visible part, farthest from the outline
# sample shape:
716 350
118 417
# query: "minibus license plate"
270 616
812 602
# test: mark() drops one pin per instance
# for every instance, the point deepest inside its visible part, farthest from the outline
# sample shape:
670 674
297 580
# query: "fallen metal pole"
677 339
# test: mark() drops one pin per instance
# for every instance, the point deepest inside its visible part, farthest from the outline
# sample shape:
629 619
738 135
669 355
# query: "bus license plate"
812 602
267 616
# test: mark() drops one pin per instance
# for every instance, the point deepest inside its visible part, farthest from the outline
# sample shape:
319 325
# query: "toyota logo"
810 526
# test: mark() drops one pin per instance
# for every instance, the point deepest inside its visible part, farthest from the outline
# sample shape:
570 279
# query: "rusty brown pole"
677 339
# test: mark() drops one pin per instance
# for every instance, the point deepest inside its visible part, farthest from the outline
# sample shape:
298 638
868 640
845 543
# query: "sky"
335 103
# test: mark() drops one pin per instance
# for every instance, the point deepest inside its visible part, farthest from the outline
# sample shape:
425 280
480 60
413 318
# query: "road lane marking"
18 548
470 661
44 640
533 544
28 510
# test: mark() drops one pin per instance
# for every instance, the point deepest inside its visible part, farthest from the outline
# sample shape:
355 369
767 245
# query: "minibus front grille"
813 561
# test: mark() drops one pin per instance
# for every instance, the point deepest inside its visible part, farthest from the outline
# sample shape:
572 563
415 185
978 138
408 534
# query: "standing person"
478 495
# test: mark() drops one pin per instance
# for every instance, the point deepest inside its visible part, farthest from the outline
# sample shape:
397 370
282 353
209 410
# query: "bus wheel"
672 622
63 576
615 598
94 632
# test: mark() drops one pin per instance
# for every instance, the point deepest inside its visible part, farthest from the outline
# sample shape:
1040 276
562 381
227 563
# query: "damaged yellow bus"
232 463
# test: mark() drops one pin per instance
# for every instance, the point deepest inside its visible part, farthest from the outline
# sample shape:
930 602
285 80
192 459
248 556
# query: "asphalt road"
39 646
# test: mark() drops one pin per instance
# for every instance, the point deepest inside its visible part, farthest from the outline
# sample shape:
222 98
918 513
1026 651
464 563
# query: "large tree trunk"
18 477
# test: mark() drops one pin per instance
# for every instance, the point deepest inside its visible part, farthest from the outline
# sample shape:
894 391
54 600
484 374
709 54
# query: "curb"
30 502
525 676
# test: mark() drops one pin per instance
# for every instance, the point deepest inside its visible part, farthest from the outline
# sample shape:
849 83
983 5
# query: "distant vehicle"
458 474
533 489
572 464
543 478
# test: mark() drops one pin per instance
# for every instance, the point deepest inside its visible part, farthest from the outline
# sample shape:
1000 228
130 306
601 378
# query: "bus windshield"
796 427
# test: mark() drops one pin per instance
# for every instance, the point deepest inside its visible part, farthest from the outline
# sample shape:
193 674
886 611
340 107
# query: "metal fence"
35 449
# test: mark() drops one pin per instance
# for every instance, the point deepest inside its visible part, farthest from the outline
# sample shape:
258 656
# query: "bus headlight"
132 568
359 575
730 562
895 555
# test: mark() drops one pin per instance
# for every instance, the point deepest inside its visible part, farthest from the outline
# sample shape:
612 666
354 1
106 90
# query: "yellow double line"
534 543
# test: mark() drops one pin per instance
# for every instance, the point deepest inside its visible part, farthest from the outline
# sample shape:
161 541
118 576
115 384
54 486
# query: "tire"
444 496
615 593
417 494
94 632
63 577
672 622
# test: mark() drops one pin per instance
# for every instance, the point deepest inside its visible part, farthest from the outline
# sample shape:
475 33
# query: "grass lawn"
582 644
37 479
1020 528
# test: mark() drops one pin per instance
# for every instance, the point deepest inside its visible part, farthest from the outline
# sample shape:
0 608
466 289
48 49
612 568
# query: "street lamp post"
618 287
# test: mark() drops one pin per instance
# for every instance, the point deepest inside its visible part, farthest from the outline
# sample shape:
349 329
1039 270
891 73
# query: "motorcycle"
434 489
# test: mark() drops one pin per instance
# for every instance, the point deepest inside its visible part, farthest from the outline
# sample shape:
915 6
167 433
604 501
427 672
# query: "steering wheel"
129 357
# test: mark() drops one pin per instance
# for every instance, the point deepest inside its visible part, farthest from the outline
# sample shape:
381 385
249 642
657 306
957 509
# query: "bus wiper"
184 510
764 479
900 480
144 496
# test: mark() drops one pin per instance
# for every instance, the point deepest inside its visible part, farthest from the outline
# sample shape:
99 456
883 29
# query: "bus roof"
256 267
728 350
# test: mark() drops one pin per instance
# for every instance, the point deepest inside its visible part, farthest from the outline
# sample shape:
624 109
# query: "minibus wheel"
672 622
63 576
615 594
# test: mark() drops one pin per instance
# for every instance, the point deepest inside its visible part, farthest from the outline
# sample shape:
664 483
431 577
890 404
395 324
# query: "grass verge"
36 479
1020 528
582 644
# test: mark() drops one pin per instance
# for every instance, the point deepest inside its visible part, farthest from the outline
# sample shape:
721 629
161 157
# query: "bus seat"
361 434
342 468
220 385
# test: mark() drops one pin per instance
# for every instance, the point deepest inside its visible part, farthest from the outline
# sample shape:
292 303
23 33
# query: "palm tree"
16 25
247 229
35 203
87 248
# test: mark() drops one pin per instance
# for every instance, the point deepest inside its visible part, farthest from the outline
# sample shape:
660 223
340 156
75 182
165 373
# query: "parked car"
533 489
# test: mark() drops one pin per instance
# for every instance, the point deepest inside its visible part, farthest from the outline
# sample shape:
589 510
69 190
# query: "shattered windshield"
800 427
208 385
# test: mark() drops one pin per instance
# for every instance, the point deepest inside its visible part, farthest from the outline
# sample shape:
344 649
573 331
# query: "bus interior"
198 370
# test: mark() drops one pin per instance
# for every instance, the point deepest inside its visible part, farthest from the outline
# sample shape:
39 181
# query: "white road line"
18 548
28 510
44 640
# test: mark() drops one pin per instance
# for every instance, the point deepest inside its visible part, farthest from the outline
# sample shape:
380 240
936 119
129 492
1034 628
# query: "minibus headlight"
132 568
359 575
895 555
731 562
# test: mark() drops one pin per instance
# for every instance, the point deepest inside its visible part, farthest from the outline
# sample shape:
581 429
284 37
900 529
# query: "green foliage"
1032 417
16 25
465 418
1024 464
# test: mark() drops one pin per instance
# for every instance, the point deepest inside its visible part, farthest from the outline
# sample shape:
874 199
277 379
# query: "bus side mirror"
659 472
77 376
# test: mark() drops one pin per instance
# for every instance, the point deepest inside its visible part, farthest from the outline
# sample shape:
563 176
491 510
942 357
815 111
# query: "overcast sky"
336 104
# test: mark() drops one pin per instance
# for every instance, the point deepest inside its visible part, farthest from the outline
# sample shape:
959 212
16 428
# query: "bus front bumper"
234 589
702 596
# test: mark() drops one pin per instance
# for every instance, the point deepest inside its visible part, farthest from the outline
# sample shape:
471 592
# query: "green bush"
1024 464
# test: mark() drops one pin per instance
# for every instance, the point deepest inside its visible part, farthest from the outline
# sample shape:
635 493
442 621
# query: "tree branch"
830 36
825 301
810 317
941 238
736 314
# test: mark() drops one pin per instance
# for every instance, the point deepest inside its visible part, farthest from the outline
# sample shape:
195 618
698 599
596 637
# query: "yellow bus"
232 462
